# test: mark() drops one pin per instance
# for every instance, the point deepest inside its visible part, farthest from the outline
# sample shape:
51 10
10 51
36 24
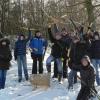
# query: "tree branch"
76 4
96 6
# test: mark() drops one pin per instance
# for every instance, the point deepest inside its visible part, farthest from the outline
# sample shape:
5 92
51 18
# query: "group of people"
37 47
68 50
80 54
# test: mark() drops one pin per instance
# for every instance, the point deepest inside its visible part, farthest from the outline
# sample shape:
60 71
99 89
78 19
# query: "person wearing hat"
20 55
5 58
87 74
95 55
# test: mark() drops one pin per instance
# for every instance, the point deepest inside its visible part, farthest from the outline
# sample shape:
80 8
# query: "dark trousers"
65 69
37 59
84 94
55 70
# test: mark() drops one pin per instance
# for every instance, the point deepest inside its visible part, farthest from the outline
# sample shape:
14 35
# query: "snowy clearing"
24 90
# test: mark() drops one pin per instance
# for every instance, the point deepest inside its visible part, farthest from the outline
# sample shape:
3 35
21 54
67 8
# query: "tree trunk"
90 13
2 16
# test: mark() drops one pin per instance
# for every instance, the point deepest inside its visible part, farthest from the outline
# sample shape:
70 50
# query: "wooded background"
17 15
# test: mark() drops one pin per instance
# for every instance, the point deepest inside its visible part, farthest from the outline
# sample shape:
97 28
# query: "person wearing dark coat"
56 52
95 55
66 39
78 50
66 42
20 55
87 74
38 47
5 58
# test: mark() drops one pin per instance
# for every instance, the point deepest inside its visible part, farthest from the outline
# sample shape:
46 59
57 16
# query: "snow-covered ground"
24 90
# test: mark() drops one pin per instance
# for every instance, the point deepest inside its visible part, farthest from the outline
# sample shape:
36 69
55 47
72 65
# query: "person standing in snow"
95 55
78 50
72 78
20 55
56 52
5 58
66 42
87 74
66 39
38 47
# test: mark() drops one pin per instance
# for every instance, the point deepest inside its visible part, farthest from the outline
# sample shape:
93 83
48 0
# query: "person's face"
3 43
38 34
21 38
84 62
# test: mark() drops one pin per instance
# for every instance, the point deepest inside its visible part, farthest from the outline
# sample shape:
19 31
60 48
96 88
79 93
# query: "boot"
59 78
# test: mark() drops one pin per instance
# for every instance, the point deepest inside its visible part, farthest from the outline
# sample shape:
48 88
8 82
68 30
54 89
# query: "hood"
87 58
4 40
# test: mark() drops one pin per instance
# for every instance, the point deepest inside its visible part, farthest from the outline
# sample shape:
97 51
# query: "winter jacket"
57 50
39 44
87 75
95 49
5 55
66 43
78 50
20 46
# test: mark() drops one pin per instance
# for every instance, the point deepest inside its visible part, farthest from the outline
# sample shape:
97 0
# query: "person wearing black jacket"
66 45
95 55
87 74
66 42
78 50
5 58
56 52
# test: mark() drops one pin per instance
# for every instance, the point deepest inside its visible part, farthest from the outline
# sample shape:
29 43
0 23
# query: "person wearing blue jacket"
38 47
20 55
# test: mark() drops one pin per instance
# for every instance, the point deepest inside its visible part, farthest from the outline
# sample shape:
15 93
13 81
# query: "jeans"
72 78
65 69
2 78
21 60
96 63
58 62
